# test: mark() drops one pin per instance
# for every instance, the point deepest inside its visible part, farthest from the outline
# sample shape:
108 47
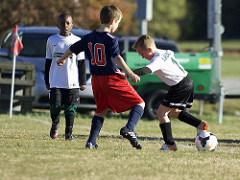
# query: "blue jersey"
100 48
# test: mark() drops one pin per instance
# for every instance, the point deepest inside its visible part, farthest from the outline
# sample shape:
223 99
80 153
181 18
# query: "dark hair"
109 13
63 15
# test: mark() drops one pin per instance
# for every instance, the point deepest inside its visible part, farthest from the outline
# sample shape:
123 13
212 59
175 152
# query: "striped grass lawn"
27 151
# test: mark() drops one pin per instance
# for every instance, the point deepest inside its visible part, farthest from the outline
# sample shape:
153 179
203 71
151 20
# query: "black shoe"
89 145
131 136
69 137
54 130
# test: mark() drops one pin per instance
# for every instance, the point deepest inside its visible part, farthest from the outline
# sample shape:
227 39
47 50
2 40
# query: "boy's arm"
82 74
142 71
62 60
122 64
48 63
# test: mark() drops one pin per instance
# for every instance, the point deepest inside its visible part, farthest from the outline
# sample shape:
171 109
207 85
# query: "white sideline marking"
41 121
80 126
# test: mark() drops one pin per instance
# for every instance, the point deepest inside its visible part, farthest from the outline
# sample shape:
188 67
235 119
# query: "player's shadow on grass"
223 142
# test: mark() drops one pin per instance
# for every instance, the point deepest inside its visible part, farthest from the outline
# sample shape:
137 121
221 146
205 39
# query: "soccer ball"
206 141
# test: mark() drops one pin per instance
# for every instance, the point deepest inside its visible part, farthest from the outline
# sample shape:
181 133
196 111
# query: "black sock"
189 119
96 126
134 116
69 123
167 133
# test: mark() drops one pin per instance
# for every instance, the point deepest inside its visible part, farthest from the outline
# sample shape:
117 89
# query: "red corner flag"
16 45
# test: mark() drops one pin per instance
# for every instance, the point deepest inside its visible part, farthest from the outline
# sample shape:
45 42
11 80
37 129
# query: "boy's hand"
48 86
61 62
122 74
134 78
83 87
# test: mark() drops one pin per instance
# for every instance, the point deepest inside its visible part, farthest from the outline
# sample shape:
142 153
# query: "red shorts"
115 93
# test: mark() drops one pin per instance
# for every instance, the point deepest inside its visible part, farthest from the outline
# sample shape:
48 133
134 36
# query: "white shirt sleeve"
48 50
81 56
155 64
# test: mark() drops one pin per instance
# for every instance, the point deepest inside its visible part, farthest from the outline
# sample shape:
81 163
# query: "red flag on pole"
16 45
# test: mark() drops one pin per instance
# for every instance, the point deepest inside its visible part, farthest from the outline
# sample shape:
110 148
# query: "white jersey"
166 67
65 76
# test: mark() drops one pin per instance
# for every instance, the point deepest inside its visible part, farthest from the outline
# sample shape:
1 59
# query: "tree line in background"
177 20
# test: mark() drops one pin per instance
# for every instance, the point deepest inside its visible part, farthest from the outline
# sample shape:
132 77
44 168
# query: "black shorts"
180 95
59 96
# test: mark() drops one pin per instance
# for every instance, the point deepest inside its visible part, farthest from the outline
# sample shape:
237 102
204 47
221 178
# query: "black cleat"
89 145
54 130
131 136
69 137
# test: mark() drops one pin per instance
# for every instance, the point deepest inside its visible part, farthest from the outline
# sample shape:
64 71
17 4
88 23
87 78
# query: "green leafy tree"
167 17
194 27
177 20
91 9
45 12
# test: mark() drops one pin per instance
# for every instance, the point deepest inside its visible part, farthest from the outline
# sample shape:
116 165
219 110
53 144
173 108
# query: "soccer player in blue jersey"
110 89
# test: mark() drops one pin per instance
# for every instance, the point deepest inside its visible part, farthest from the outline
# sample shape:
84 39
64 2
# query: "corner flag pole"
16 47
12 86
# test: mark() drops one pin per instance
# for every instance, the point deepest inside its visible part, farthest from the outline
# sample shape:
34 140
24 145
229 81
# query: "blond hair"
145 42
109 13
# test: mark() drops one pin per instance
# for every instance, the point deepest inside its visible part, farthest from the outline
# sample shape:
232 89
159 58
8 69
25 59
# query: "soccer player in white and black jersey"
180 94
65 81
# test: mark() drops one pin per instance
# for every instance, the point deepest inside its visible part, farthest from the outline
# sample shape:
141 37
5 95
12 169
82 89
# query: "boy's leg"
70 111
97 123
166 129
134 116
128 131
70 100
55 108
167 133
191 120
55 111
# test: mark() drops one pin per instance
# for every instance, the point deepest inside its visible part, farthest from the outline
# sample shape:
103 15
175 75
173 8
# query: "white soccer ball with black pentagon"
206 141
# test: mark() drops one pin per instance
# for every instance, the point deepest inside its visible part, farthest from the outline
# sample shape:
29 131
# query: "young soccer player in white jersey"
180 94
65 81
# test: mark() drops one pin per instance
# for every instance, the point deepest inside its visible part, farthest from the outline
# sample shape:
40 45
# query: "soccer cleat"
131 136
54 130
202 127
166 147
69 137
89 145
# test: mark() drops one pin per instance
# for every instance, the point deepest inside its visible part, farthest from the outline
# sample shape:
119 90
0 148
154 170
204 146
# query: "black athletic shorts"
61 96
180 95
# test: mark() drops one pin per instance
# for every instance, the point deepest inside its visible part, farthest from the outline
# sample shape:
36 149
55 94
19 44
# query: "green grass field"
230 66
27 151
228 46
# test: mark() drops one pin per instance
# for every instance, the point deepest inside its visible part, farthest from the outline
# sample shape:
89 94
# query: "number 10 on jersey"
98 54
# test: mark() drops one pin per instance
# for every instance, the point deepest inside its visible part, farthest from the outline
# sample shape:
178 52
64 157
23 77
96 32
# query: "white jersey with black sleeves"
65 76
167 67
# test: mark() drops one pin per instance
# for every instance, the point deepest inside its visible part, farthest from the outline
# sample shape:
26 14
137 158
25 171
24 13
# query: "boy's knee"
162 114
142 104
174 113
70 109
55 109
